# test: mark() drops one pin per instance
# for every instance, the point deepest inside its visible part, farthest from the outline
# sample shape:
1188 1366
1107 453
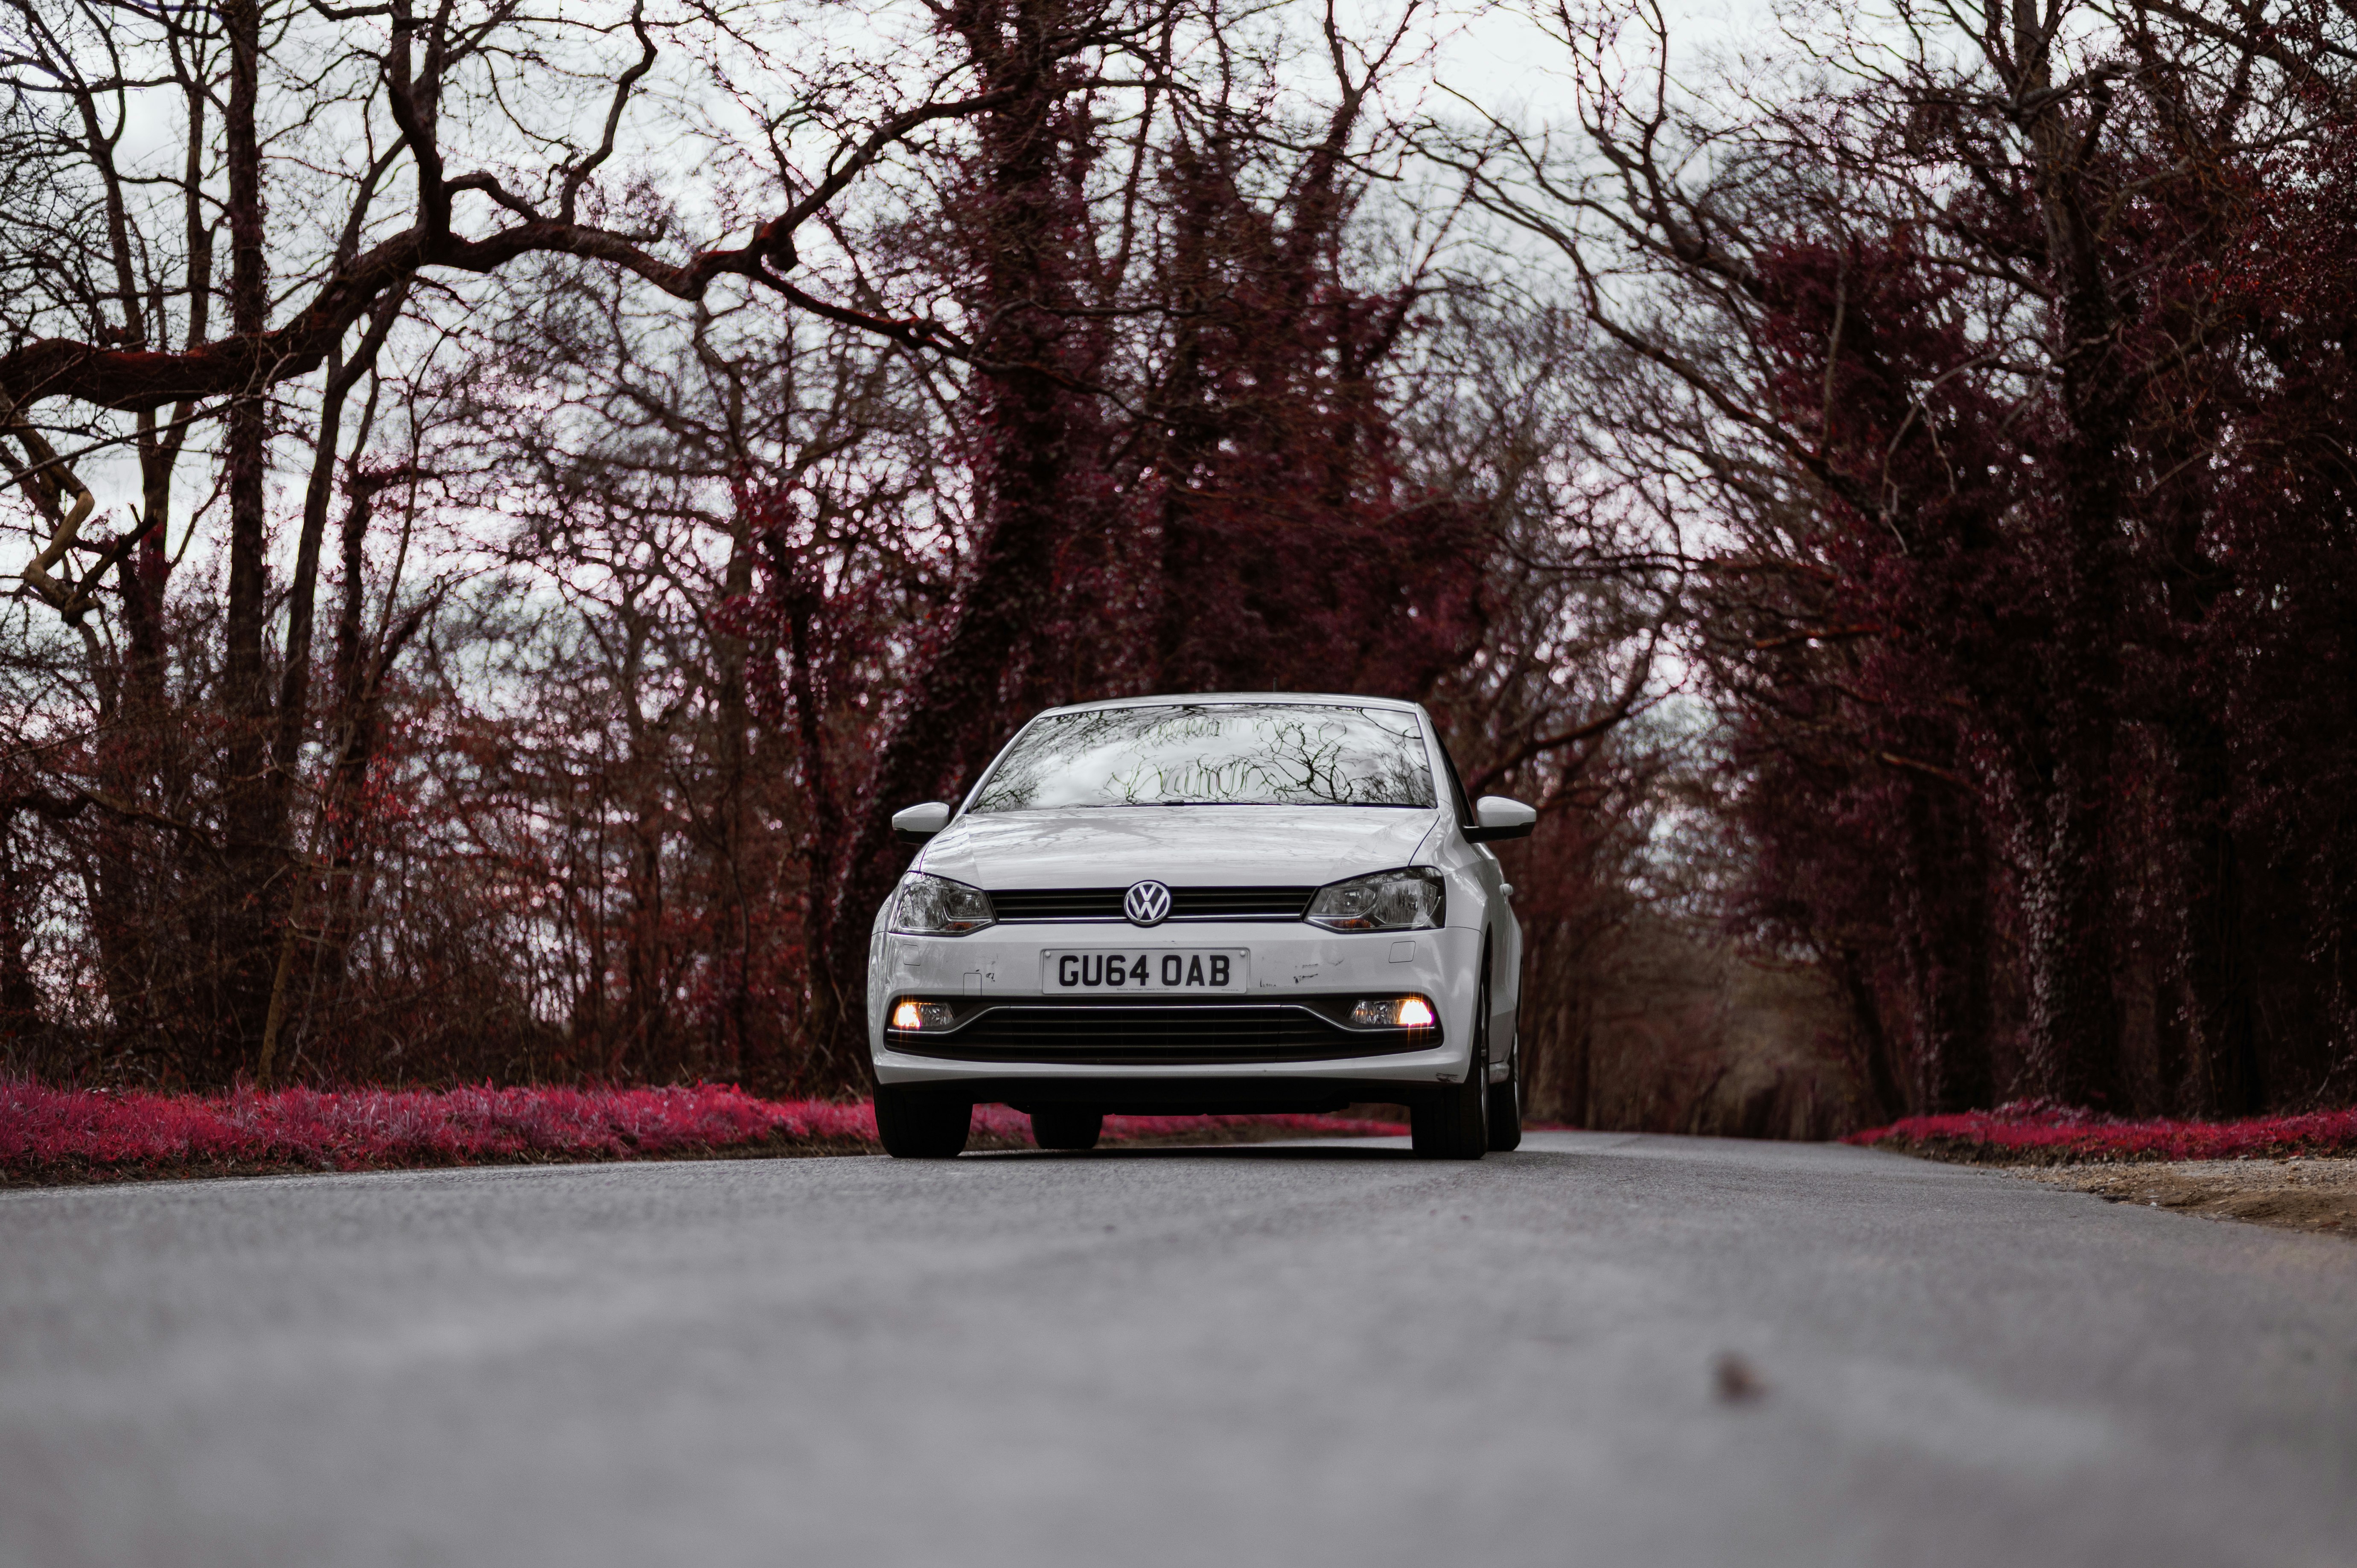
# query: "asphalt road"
1294 1355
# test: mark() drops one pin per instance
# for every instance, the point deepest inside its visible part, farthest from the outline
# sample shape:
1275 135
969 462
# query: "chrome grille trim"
1066 906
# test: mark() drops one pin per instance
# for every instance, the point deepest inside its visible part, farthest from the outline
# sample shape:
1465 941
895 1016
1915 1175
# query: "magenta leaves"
2038 1132
66 1135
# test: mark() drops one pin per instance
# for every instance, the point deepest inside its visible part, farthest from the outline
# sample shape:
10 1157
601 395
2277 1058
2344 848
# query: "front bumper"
1289 965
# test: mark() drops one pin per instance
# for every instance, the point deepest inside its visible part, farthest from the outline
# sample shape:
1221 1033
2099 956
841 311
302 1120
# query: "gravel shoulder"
2298 1193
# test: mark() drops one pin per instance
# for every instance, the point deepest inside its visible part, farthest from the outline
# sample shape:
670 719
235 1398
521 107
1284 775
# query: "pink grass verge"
2038 1132
58 1135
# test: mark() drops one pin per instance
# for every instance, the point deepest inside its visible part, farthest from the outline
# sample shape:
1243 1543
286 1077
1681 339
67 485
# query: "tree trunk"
732 925
646 996
1944 938
20 997
246 957
1033 433
2074 1024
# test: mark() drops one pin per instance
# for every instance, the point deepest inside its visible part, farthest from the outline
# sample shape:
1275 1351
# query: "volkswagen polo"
1208 903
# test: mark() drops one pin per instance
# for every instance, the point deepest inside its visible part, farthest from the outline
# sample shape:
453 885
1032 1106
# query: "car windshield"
1223 754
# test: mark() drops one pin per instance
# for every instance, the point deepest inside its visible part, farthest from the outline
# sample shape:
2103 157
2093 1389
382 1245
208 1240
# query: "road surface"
1288 1355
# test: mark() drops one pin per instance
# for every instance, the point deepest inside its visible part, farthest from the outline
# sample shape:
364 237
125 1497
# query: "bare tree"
1928 321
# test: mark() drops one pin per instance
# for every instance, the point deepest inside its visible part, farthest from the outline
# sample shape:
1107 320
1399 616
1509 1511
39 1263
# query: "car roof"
1178 699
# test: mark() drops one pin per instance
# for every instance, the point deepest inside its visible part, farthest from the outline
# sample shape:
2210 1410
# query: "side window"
1456 784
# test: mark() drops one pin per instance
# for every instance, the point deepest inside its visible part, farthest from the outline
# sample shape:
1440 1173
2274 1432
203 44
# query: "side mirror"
1496 817
915 825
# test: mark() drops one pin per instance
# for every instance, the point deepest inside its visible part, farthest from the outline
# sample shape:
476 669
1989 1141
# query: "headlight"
936 906
1387 1013
1410 899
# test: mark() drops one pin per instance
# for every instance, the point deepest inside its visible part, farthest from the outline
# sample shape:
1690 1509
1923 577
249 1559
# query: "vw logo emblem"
1147 903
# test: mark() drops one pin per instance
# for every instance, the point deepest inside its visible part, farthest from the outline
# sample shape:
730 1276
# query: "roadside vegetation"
505 504
2297 1172
2056 1135
51 1136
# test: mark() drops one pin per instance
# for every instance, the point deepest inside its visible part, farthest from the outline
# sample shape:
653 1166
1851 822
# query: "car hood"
1185 846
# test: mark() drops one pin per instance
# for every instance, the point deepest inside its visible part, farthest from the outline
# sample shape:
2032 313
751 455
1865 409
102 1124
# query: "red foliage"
2042 1133
1234 517
1294 554
2041 712
48 1134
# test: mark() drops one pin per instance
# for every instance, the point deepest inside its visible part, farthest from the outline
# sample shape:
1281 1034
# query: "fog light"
912 1014
1393 1012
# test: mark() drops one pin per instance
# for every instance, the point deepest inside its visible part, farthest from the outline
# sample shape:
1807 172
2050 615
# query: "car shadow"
1359 1152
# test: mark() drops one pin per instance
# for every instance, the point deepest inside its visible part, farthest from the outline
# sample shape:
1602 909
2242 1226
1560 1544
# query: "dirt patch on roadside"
2299 1193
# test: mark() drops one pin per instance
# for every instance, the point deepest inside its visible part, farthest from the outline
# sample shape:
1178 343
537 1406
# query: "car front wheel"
1454 1124
918 1126
1506 1103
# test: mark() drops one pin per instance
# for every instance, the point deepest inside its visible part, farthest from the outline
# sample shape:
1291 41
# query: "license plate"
1137 973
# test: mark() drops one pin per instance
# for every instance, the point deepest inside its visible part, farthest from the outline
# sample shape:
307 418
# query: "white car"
1203 904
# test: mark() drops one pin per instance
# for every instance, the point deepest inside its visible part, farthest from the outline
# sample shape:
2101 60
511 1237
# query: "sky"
1499 58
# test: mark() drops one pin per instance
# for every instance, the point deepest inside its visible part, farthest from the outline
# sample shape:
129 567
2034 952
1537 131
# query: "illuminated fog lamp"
1393 1012
911 1013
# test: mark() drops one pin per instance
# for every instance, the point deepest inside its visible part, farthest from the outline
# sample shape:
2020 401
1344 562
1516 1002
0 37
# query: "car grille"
1186 903
1194 1032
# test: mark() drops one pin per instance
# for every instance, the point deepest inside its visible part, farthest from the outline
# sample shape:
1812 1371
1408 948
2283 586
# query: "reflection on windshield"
1226 755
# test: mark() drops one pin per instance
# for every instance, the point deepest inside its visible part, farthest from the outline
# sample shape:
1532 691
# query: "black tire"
919 1126
1059 1127
1454 1124
1506 1102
